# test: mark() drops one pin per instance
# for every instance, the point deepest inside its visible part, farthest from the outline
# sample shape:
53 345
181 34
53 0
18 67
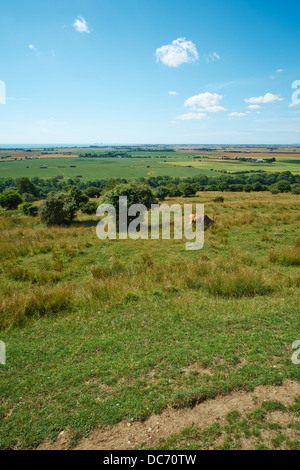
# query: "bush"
218 199
58 209
27 197
173 190
92 191
78 197
296 189
187 189
284 186
10 199
136 193
274 190
24 185
89 208
161 193
24 208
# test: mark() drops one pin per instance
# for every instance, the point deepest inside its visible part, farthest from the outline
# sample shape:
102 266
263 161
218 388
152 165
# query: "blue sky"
149 71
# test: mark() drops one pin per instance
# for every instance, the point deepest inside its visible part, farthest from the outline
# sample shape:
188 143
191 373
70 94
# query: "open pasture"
101 332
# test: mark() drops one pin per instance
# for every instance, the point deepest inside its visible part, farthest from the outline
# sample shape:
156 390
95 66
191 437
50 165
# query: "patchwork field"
182 162
150 336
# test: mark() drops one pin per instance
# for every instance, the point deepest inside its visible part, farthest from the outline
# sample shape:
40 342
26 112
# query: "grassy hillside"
100 331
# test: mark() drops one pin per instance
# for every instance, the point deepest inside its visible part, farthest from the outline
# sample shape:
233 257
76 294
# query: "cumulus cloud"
81 25
212 57
205 102
267 98
236 114
172 93
190 116
254 106
180 51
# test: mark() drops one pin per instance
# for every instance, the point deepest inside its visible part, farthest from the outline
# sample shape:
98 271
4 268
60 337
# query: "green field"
183 163
283 163
93 168
105 332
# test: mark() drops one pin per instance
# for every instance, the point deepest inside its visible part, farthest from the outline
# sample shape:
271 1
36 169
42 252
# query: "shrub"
24 208
296 189
284 186
187 189
89 208
173 190
24 185
58 209
92 191
136 193
10 199
78 197
274 190
27 197
218 199
162 192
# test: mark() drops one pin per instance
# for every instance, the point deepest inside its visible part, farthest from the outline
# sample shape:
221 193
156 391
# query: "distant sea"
44 146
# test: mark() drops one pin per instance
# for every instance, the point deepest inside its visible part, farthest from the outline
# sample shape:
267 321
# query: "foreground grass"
100 331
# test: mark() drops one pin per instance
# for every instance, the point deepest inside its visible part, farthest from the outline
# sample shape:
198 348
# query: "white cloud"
254 106
190 116
172 93
81 25
205 102
180 51
32 47
213 56
279 70
236 114
267 98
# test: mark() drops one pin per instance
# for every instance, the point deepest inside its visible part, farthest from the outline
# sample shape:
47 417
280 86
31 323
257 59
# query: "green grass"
92 168
283 163
89 323
144 164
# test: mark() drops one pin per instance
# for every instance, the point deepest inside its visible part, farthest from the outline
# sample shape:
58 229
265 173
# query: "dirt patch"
196 367
127 435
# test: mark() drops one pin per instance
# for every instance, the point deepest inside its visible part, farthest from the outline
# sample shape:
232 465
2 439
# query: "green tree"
161 193
24 185
136 193
284 186
10 199
89 208
58 209
187 189
92 191
78 197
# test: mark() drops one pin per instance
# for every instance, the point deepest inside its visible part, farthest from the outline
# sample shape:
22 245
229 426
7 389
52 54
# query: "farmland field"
182 162
106 332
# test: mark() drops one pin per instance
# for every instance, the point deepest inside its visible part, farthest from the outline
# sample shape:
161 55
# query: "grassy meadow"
102 331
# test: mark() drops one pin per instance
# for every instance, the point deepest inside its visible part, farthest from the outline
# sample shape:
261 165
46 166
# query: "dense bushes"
163 186
58 209
10 199
136 193
28 209
89 207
